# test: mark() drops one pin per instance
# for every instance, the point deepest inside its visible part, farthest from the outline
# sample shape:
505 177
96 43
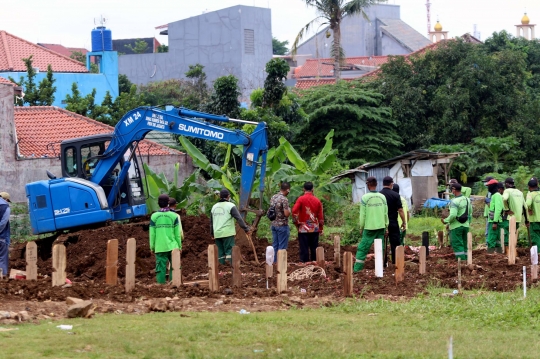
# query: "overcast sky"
69 22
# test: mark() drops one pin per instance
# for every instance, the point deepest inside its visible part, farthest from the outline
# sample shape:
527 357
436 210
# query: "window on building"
249 41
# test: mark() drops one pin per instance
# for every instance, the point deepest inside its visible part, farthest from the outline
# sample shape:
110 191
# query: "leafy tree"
140 47
125 102
47 89
224 98
40 95
124 85
331 13
198 77
279 47
163 48
173 92
86 105
274 88
364 129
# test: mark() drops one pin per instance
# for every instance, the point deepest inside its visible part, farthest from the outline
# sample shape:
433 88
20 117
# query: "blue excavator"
101 174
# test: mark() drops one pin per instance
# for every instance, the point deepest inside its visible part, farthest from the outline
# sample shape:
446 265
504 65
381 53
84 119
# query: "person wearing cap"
406 213
280 225
487 200
165 235
495 215
222 226
465 191
459 206
308 218
514 206
533 205
395 209
373 221
5 234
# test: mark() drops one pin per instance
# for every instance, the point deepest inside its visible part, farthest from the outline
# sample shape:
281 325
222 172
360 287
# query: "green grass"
483 325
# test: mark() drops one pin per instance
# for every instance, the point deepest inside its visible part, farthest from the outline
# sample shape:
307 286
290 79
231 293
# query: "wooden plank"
400 263
378 258
176 267
348 270
534 263
422 260
502 240
236 273
534 271
512 241
269 271
440 237
320 257
31 261
111 265
337 251
131 249
469 248
59 265
281 271
213 269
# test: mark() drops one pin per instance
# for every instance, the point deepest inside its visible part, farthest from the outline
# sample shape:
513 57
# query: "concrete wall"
86 82
15 173
359 37
215 40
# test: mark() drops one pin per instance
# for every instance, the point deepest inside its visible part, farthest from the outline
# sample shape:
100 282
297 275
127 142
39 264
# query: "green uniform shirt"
373 211
466 191
222 220
405 212
496 206
533 203
513 200
458 206
165 229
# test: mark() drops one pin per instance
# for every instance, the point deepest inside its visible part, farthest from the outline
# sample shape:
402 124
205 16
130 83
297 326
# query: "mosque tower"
526 29
438 35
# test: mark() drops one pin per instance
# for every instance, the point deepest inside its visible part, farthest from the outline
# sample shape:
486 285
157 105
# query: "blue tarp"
435 202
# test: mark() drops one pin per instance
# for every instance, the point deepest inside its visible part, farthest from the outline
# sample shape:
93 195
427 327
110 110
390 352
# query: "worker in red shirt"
309 220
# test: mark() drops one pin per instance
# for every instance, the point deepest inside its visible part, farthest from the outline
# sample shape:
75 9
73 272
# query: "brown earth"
86 252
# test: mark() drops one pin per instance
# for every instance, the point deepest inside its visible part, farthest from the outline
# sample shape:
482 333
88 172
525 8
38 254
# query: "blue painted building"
66 70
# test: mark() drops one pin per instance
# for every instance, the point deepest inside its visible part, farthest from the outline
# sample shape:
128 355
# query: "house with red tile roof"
30 142
66 71
62 50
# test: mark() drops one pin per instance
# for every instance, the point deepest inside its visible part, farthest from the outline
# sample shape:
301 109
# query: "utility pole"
428 6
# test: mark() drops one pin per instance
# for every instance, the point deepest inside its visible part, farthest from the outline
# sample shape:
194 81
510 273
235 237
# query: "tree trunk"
337 51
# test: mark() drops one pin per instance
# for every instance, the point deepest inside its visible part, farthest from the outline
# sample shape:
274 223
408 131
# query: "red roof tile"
40 129
62 50
305 84
325 67
13 49
6 82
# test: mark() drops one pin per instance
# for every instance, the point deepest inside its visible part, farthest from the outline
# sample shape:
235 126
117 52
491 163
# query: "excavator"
101 174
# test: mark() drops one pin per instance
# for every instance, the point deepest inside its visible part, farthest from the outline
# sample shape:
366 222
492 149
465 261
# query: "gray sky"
69 22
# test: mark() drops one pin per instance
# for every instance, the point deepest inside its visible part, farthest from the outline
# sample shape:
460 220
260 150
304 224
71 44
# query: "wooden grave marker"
400 263
236 273
348 270
176 269
422 261
131 249
425 242
111 266
320 257
469 248
59 265
337 251
281 270
213 269
512 241
378 258
534 263
31 261
440 237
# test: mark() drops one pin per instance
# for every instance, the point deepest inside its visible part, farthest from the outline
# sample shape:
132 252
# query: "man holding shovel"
373 221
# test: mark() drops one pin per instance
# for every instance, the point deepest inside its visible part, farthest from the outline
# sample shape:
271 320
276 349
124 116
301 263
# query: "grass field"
482 325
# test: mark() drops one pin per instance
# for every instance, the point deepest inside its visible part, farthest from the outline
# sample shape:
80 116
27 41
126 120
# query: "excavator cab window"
90 156
70 161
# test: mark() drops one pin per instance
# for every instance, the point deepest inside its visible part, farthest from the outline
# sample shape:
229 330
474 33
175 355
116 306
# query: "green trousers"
162 259
494 236
458 239
368 237
535 233
224 246
506 226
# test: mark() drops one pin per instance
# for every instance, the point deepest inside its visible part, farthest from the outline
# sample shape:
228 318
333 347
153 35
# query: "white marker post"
378 258
534 263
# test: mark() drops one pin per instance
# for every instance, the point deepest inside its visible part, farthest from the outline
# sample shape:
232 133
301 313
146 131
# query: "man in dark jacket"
393 201
4 233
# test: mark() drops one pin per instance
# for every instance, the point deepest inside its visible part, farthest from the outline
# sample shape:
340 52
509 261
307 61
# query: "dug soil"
86 254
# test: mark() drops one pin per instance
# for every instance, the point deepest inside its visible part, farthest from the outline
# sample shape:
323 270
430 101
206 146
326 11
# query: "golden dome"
525 20
438 26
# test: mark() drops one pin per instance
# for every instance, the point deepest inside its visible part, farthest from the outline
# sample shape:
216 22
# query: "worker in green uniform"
465 191
533 205
406 214
487 200
222 226
165 229
495 215
373 221
514 206
459 221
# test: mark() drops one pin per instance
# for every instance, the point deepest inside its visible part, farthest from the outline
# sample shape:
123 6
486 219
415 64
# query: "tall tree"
47 89
140 47
279 47
331 13
36 95
224 98
274 88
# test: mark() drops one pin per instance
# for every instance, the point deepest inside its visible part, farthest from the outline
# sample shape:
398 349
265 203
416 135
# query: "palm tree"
332 12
